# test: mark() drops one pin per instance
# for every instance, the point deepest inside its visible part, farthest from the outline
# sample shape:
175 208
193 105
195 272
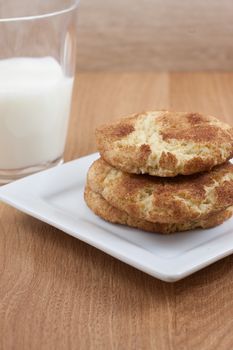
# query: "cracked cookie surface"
163 143
109 213
164 200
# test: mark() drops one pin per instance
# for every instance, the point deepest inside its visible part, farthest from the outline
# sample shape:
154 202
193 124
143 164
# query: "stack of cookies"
163 172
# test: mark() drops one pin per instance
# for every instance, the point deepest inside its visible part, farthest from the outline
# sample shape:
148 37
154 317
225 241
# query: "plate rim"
7 195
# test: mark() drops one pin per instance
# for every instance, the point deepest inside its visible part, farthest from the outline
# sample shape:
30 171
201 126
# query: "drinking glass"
37 66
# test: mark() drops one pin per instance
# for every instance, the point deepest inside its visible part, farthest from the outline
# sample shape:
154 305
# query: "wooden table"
57 292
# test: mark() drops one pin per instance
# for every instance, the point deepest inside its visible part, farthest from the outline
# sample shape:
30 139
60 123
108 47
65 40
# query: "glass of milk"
37 65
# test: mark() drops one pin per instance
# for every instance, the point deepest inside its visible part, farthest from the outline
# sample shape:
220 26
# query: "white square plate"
55 196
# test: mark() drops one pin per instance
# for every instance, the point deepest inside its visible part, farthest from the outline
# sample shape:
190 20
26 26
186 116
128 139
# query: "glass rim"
45 15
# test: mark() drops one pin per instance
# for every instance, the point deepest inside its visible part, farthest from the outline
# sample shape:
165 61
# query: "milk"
35 99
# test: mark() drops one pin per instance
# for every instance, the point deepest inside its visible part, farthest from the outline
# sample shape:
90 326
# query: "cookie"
162 143
109 213
164 200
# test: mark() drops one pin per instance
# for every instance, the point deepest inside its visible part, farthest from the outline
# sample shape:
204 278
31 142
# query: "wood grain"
59 293
129 35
